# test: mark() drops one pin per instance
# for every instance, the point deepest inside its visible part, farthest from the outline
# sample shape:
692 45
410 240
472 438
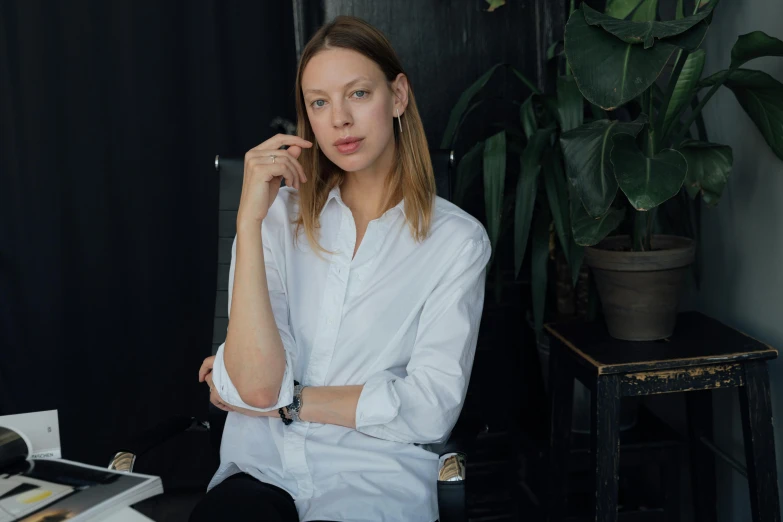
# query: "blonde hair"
411 177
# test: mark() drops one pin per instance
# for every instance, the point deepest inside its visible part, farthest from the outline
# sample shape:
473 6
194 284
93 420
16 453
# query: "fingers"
295 151
287 166
275 142
206 368
281 156
214 398
294 169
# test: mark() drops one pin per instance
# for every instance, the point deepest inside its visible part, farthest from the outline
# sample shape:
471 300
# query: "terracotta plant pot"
640 291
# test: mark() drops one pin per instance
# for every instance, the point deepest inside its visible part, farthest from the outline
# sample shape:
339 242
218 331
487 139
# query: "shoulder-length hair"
411 176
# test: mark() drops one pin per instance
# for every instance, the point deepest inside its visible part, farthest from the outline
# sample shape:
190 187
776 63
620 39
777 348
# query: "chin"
352 162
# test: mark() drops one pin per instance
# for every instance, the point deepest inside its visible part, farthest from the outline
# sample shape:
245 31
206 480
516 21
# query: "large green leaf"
761 96
647 32
556 186
587 154
462 105
588 230
558 195
527 116
494 4
575 260
570 104
524 79
527 188
539 259
684 88
608 71
709 166
551 51
647 182
643 10
691 39
754 45
468 170
494 181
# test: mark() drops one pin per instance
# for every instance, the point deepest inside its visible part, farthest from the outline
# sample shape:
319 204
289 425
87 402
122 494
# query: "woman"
355 280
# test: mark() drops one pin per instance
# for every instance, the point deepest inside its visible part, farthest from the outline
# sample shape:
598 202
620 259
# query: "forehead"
331 69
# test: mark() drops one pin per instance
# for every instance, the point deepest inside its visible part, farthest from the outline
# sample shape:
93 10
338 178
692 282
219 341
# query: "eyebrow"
355 80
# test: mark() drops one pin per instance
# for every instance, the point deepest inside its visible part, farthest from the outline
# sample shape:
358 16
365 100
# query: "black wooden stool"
701 355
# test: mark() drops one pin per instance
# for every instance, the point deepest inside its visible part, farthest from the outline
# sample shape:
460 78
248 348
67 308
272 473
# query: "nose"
341 117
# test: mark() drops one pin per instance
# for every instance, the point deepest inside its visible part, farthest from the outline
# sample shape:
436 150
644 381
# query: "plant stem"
644 101
675 76
700 128
640 238
650 103
695 112
573 7
650 224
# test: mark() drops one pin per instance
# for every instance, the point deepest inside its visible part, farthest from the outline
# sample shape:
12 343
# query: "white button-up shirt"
401 318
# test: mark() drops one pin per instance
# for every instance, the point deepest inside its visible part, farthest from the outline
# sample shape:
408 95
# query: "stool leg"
699 408
756 408
562 401
670 483
605 446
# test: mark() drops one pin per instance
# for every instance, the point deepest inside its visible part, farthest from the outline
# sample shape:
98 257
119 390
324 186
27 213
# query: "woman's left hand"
205 375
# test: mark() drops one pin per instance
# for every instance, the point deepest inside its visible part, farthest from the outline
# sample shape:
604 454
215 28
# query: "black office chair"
452 500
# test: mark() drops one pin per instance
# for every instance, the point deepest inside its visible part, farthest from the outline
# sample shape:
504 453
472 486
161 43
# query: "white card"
41 428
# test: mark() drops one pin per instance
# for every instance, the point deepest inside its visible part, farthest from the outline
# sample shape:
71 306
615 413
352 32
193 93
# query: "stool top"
697 340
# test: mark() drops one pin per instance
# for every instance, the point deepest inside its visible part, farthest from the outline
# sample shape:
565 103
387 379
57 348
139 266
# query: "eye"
315 104
363 94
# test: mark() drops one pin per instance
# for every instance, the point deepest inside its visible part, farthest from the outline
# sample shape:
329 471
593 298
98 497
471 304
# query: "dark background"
112 113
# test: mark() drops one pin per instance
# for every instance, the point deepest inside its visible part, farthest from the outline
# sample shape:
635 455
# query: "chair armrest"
452 468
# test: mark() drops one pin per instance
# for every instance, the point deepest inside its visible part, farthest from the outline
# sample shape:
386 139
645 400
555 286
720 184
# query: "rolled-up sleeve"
277 296
423 406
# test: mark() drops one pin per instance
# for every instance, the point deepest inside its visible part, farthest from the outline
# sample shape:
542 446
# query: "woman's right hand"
263 174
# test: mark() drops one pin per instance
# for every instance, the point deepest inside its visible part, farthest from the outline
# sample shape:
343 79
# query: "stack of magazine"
53 490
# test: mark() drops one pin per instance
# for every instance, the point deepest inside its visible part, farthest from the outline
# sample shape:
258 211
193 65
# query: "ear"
399 89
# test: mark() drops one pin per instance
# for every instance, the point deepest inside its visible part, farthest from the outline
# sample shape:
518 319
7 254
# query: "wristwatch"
296 406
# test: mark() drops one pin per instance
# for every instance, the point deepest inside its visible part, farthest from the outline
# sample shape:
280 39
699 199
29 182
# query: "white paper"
36 495
41 429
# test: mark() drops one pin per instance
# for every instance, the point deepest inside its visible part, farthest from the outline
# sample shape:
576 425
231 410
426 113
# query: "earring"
399 120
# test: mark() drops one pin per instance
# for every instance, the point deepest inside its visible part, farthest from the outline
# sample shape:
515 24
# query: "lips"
348 144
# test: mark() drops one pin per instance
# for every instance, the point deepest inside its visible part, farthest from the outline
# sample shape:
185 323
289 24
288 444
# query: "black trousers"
242 497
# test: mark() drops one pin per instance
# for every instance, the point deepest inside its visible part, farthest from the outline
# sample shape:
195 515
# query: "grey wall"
742 241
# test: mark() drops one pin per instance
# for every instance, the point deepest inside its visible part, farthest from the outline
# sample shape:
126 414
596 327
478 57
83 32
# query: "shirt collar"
335 194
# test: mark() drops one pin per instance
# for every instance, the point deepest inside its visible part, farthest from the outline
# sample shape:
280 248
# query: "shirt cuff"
379 402
230 395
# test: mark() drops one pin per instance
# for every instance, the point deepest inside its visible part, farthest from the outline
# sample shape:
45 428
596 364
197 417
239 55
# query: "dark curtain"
111 115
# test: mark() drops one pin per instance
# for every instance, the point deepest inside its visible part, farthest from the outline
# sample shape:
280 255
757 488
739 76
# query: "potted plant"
629 166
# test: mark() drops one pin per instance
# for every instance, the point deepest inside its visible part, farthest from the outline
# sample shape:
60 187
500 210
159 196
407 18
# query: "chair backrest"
231 173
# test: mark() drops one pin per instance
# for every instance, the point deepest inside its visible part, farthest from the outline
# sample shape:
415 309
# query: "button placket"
373 241
336 285
323 349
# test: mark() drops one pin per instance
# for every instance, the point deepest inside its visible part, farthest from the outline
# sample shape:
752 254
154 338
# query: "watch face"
295 405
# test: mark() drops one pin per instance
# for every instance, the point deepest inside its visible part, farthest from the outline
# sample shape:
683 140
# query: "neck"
363 190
